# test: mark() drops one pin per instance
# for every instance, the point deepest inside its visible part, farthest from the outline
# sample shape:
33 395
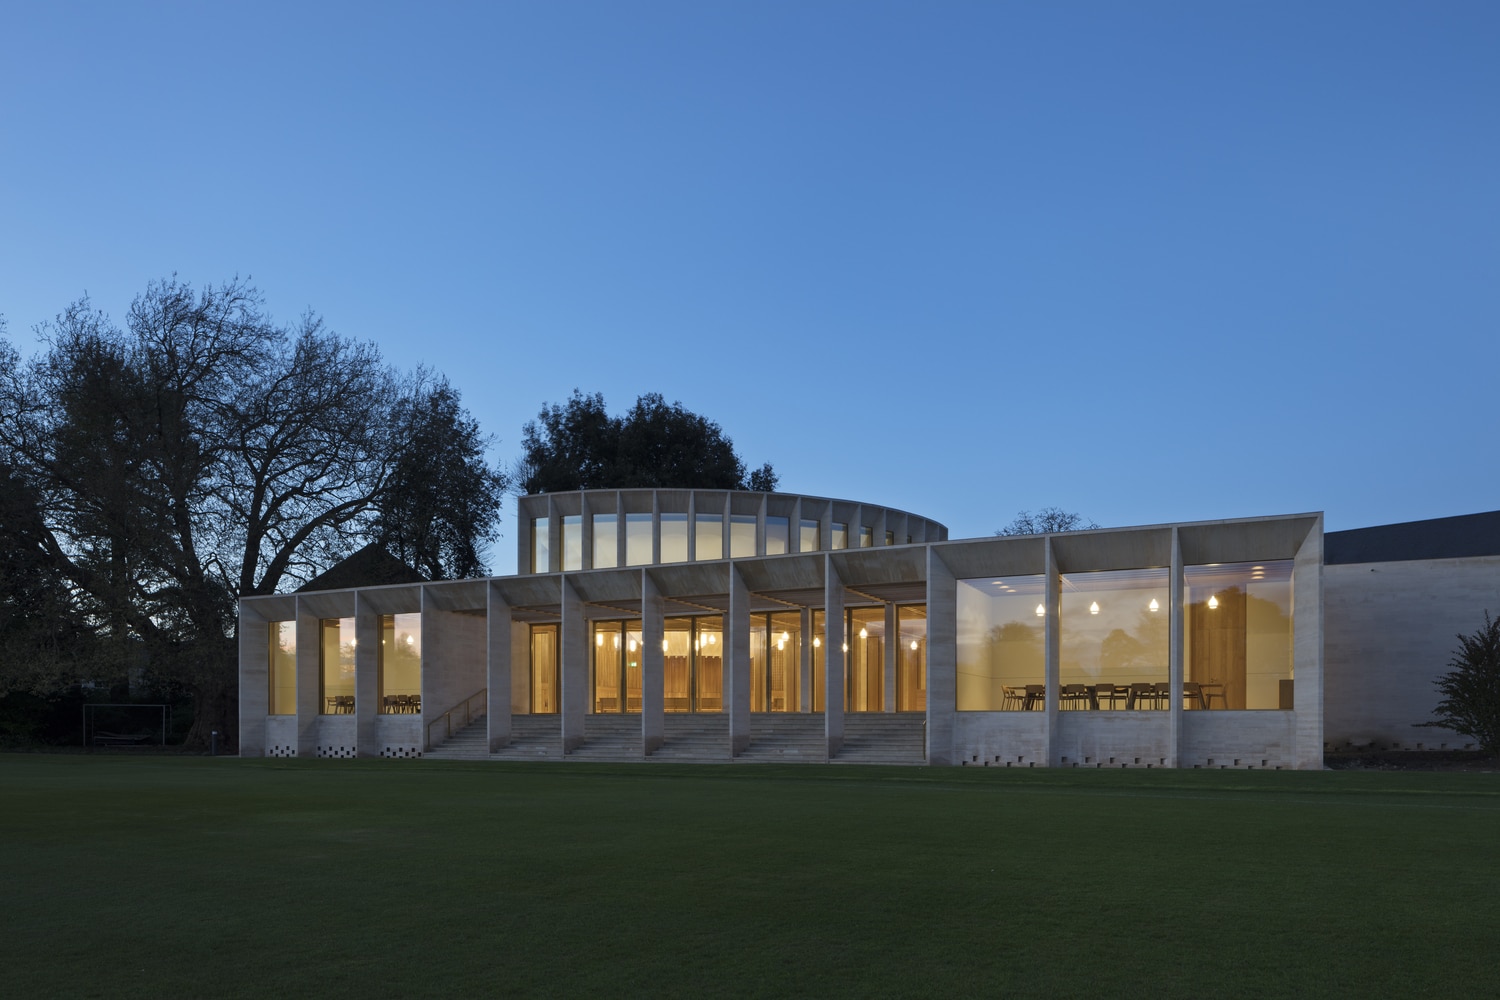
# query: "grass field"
212 877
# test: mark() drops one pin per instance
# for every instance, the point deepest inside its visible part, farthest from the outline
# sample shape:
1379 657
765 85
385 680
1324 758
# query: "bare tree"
1046 521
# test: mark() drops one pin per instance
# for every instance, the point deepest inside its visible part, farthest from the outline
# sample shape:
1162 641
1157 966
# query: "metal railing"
465 709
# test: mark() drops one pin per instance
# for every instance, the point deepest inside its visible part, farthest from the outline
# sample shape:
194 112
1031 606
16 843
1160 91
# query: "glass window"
283 668
572 541
677 665
708 664
637 539
616 667
866 536
606 541
741 536
890 538
778 535
336 672
544 686
864 664
708 541
819 665
674 534
1001 651
840 536
785 648
809 541
1238 636
539 557
401 664
911 658
1114 628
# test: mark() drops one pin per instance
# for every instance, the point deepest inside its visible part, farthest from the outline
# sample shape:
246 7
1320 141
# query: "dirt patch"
1413 760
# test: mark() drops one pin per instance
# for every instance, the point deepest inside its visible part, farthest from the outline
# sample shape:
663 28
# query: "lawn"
217 877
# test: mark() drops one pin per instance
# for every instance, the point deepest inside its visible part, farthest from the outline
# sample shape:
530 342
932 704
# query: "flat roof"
1436 538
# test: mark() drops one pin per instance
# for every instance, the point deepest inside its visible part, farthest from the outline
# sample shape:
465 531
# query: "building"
711 625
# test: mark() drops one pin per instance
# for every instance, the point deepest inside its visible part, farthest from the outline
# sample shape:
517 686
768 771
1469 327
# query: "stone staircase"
609 737
694 738
469 743
883 738
786 737
532 737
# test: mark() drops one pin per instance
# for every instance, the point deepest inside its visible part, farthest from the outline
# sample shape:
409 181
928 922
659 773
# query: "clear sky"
1146 261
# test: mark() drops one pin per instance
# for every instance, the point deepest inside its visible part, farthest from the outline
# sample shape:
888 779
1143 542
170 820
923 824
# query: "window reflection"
283 668
400 667
572 541
778 535
840 536
866 536
539 551
741 536
1238 636
807 540
674 538
1114 627
544 680
637 539
911 658
1001 645
708 541
606 541
864 664
336 666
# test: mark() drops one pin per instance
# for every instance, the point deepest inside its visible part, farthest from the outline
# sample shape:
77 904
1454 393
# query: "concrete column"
655 528
942 659
573 652
554 537
366 677
1307 649
520 671
692 526
586 534
254 682
1174 655
737 650
804 668
619 530
892 647
1052 638
309 686
833 660
498 667
653 666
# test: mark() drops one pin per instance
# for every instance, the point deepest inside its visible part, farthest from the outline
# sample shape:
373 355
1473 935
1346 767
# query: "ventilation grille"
331 751
401 751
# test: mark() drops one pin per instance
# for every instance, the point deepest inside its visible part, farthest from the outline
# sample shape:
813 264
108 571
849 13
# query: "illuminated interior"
864 664
911 658
819 679
283 668
1238 636
615 666
1114 631
336 666
694 664
400 669
545 695
1001 646
776 662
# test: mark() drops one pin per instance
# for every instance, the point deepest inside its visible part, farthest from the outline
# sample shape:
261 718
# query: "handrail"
447 717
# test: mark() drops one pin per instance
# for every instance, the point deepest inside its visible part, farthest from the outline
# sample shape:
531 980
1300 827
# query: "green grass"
200 877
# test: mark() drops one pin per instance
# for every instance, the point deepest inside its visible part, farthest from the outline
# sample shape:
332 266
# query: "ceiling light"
411 640
1041 611
1153 605
1094 608
863 634
914 645
1213 602
599 639
817 642
630 645
663 644
712 638
785 635
780 645
846 647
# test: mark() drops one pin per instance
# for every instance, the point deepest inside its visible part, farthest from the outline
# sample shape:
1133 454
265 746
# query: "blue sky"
1147 261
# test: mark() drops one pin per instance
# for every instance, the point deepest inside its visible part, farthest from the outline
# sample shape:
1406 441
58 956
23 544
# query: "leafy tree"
202 453
1471 690
1046 521
654 445
440 501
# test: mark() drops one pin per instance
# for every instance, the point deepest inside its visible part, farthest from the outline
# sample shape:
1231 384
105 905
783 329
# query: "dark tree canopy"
161 470
579 446
1046 521
1471 690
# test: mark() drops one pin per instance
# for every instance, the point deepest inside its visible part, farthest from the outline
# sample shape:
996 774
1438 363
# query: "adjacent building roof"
1435 538
371 566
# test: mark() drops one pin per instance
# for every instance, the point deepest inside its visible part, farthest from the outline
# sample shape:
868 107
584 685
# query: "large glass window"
677 665
1001 645
336 666
819 665
1114 628
539 546
283 668
840 536
911 658
807 540
741 536
1238 636
637 539
572 541
544 687
890 538
616 667
606 541
400 664
778 535
708 664
775 662
674 538
708 540
864 664
866 536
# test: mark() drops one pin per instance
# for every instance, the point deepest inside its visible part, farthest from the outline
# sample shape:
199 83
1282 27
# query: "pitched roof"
371 566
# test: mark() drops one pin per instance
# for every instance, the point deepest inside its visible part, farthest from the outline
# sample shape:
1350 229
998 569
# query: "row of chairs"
1076 697
401 704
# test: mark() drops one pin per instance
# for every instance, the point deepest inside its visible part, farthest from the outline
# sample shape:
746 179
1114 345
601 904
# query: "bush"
1471 690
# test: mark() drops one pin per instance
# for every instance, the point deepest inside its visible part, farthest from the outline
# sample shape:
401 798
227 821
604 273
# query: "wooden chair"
1163 695
1140 693
1014 698
1108 694
1192 695
1074 696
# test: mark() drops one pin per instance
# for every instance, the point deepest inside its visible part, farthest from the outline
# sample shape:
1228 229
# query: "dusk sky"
1146 261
